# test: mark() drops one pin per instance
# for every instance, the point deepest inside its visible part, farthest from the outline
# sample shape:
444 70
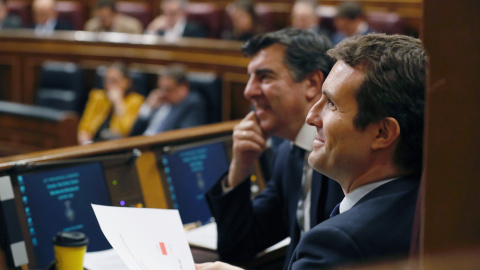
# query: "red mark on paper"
162 247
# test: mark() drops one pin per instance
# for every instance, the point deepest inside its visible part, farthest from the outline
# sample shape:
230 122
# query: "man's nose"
252 89
314 117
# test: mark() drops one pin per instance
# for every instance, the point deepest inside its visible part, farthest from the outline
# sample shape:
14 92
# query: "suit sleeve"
324 247
140 126
246 227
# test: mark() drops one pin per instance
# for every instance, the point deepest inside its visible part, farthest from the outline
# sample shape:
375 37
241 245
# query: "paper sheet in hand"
146 239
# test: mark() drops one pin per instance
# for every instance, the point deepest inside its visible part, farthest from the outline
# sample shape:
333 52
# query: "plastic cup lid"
70 239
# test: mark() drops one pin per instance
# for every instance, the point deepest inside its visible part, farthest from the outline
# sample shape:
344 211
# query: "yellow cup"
69 248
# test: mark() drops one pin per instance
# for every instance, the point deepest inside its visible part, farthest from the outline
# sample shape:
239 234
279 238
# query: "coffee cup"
69 248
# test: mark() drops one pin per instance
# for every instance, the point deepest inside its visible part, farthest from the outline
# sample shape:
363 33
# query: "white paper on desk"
146 239
103 260
204 236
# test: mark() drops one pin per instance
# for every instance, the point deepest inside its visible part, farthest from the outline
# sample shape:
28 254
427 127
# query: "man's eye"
264 78
331 105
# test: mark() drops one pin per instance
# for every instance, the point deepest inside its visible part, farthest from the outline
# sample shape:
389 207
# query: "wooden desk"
25 128
22 53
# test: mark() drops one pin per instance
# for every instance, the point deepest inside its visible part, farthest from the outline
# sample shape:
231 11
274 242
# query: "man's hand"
115 95
248 143
156 98
159 23
216 266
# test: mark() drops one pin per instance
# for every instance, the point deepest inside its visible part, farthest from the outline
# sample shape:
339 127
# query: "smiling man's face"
280 102
339 144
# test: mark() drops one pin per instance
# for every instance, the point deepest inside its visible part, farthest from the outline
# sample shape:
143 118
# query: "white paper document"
103 260
204 236
146 239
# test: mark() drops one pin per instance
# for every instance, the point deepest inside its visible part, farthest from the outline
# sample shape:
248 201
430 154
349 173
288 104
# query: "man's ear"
387 133
314 83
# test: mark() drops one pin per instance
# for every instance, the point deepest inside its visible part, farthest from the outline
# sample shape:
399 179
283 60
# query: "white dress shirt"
357 194
159 115
176 32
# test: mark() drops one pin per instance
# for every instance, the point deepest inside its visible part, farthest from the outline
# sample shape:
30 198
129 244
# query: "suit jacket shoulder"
378 226
63 25
189 113
11 21
127 24
194 30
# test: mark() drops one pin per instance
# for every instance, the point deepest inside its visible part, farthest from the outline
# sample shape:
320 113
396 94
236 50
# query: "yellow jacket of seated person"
99 108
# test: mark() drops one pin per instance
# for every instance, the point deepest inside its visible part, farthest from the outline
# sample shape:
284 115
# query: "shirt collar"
305 137
362 28
176 31
357 194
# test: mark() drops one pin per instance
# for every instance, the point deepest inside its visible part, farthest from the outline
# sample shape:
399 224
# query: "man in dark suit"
173 23
287 71
8 21
369 139
171 106
350 21
45 17
369 124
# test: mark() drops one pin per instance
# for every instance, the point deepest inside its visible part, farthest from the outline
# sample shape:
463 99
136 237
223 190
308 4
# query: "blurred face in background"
106 16
173 12
43 10
115 81
3 11
241 20
170 90
304 17
346 26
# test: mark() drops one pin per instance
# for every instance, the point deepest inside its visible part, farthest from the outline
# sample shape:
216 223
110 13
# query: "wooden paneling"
140 142
23 60
452 149
21 134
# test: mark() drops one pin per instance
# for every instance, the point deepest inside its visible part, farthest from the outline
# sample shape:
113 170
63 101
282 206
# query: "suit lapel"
316 209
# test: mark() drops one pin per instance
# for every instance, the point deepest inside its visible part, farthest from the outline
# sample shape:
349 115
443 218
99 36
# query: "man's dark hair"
106 3
304 50
394 86
175 71
350 10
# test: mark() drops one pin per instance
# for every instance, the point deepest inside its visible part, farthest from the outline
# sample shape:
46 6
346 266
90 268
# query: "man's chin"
267 127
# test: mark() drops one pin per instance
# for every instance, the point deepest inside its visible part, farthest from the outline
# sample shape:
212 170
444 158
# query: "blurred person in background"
245 22
304 16
173 23
46 19
8 21
110 113
171 106
350 21
107 19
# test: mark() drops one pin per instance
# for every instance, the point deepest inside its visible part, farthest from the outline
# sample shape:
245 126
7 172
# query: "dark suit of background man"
173 22
171 106
369 124
286 71
369 139
8 21
46 19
